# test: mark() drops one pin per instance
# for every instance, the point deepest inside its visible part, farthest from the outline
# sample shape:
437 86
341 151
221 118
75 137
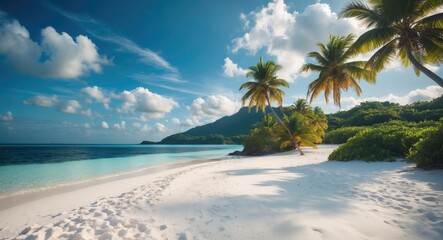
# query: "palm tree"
268 122
303 133
319 120
264 89
336 73
301 106
409 29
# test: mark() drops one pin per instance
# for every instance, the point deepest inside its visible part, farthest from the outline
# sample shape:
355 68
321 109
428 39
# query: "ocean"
31 167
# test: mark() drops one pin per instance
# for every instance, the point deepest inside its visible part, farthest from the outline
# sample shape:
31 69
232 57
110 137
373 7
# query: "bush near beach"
342 135
428 151
421 143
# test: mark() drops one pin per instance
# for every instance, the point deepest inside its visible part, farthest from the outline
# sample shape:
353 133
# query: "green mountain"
226 130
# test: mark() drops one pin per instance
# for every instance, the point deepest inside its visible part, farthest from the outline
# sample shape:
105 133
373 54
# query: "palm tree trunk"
424 70
284 126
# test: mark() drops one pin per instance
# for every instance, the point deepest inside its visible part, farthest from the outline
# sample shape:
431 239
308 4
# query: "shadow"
324 191
429 177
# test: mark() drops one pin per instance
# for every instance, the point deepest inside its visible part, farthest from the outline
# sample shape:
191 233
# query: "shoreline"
15 198
280 196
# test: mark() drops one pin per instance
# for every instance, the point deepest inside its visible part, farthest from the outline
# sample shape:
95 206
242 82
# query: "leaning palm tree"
337 73
409 29
303 132
264 89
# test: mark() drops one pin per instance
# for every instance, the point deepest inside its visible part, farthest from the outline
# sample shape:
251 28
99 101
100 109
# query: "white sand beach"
283 196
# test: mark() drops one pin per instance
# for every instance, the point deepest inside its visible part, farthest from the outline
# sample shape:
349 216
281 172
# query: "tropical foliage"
341 135
371 113
428 152
411 30
306 125
378 144
337 72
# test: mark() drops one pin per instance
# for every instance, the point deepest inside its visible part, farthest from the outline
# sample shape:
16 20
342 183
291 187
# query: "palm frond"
382 57
370 17
373 39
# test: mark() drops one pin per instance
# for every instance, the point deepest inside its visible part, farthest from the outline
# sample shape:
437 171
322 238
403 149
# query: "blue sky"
96 72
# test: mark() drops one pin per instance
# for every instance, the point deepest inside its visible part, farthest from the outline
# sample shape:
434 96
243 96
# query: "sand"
283 196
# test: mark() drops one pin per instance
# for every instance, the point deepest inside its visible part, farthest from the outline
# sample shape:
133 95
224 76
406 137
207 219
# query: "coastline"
280 196
15 198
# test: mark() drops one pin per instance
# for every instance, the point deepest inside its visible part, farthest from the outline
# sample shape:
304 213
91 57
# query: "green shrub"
342 135
260 141
378 144
428 152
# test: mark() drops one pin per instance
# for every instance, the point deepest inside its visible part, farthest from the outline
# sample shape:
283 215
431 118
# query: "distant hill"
239 123
226 130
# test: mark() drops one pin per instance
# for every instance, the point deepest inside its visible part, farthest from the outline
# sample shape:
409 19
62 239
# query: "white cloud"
7 117
151 105
120 126
98 95
87 126
42 101
425 94
175 121
105 33
289 36
87 113
104 125
213 106
245 20
146 55
170 77
57 56
70 106
231 69
158 127
142 128
433 68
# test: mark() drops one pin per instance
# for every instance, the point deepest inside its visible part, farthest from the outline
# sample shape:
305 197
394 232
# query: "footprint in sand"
430 199
431 217
182 236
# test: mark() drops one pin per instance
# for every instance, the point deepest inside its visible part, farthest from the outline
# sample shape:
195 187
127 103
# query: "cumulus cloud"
57 56
158 127
141 128
425 94
87 126
97 94
150 104
42 101
289 36
231 69
87 113
104 125
7 117
212 107
120 126
70 107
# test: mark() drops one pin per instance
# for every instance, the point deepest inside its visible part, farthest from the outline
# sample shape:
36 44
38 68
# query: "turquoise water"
28 172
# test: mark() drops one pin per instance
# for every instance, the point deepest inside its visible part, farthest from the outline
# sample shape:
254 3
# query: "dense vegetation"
394 140
428 152
341 135
306 125
376 131
371 113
